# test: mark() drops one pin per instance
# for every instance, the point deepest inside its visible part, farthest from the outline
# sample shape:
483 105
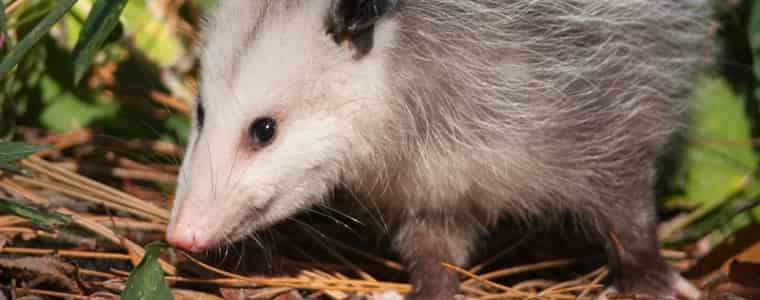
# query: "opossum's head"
289 93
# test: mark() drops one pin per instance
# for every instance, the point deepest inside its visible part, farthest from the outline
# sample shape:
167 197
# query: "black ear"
351 19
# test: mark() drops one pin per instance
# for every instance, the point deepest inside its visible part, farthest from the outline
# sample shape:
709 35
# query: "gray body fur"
534 109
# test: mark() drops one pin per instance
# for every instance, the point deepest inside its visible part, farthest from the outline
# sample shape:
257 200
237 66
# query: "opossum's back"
579 94
579 70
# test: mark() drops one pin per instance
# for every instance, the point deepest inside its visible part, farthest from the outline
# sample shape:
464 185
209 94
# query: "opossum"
446 116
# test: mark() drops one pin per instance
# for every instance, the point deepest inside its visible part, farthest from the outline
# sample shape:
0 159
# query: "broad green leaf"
10 151
720 160
146 282
65 111
35 35
41 219
720 154
102 20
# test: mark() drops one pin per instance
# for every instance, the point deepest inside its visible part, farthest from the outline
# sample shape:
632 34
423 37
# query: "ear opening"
354 20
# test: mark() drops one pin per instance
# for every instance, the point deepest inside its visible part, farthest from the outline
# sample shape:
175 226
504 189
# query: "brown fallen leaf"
45 268
733 291
745 273
743 245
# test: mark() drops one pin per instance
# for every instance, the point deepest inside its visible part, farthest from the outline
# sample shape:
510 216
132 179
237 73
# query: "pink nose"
185 238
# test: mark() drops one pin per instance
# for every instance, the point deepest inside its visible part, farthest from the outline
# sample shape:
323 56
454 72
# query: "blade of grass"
38 218
10 151
34 36
667 233
102 20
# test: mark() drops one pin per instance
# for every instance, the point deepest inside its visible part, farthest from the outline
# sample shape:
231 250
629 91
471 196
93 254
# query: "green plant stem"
37 33
705 210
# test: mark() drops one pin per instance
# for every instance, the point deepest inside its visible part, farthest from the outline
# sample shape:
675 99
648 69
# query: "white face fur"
273 60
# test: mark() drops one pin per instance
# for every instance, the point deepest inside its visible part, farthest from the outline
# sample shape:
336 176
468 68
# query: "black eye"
200 115
262 131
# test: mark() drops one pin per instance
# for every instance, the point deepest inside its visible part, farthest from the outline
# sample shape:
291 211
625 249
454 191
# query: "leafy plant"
14 56
9 153
59 83
100 23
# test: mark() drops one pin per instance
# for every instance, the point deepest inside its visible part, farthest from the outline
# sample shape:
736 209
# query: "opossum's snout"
200 223
196 229
187 239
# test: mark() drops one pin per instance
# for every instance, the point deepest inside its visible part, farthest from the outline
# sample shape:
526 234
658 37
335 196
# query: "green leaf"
10 151
720 160
38 218
720 155
103 18
34 36
146 282
65 110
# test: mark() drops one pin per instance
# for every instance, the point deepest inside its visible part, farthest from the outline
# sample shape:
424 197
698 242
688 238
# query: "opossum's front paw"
680 288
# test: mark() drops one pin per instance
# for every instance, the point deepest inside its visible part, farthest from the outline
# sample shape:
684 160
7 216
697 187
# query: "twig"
604 272
477 268
485 281
527 268
121 173
95 188
373 258
65 253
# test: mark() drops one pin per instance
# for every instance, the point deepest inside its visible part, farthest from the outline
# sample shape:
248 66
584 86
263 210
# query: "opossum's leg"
634 255
426 243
